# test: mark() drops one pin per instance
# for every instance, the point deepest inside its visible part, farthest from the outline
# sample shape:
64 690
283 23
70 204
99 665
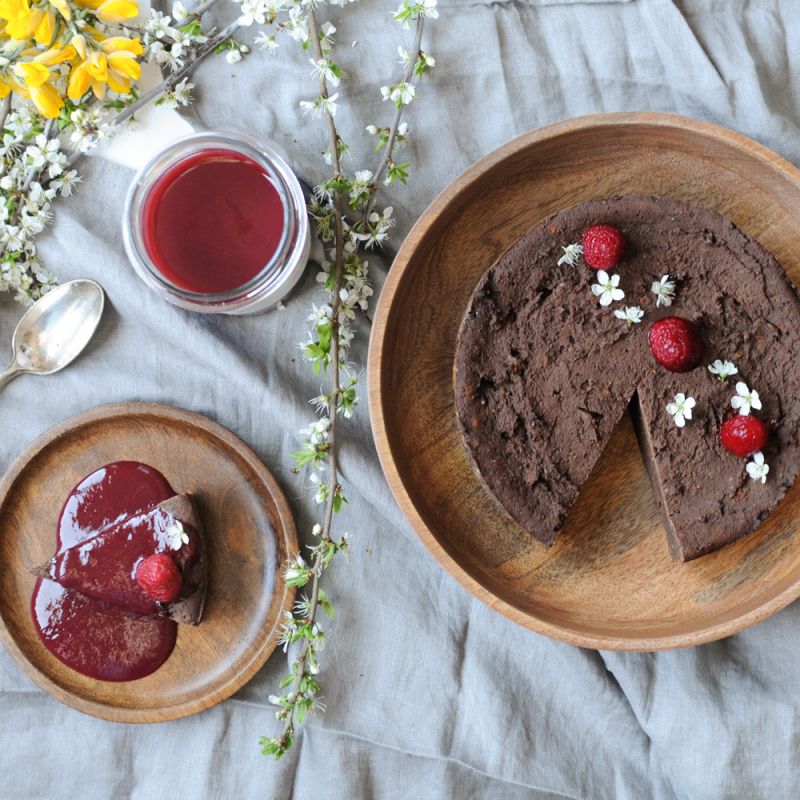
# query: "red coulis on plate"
95 638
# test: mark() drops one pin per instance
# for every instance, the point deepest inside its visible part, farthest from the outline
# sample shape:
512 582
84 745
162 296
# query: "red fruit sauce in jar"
213 221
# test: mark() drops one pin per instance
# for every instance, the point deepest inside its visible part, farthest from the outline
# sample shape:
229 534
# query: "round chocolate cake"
544 372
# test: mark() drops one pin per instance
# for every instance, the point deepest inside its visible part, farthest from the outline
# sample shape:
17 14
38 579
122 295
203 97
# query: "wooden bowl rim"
429 218
257 659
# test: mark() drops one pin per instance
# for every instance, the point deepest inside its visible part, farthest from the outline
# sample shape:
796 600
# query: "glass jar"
274 280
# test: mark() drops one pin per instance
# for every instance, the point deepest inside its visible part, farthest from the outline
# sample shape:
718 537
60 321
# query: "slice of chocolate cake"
106 565
543 372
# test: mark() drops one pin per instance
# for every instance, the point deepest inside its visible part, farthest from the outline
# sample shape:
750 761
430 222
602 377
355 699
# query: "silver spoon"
55 329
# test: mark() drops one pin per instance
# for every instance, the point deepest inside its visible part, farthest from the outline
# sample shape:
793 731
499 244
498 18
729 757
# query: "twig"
5 107
35 174
409 71
333 401
201 9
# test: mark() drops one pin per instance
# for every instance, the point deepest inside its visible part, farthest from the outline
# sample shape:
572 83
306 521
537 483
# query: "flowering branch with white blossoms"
348 223
68 83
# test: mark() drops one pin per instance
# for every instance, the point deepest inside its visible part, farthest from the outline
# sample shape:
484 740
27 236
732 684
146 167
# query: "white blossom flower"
744 400
176 535
158 25
664 290
757 469
233 56
296 569
253 11
573 253
296 25
722 369
401 94
267 42
317 432
325 69
321 492
606 288
427 61
183 92
681 408
179 11
632 314
427 8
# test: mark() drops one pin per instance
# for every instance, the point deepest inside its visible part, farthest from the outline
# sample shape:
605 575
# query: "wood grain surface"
609 581
249 534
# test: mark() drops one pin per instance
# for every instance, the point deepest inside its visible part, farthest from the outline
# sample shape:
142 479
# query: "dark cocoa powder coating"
543 373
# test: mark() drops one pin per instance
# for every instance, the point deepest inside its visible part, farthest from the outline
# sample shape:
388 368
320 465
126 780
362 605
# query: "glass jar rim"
293 236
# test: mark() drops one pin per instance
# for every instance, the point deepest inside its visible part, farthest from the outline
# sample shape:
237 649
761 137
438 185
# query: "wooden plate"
609 582
250 533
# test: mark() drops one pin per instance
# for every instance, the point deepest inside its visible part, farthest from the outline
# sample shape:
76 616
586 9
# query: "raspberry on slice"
603 247
160 578
744 435
675 343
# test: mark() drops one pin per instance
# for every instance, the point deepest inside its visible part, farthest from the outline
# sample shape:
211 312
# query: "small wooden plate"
250 535
609 581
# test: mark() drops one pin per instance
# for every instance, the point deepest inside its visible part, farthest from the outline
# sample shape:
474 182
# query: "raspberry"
160 578
675 343
744 435
603 247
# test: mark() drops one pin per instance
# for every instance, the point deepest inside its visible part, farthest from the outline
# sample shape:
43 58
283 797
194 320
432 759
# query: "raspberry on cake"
675 344
535 424
744 435
603 246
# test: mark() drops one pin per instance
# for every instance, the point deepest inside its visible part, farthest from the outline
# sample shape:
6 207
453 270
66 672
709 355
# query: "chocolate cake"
543 372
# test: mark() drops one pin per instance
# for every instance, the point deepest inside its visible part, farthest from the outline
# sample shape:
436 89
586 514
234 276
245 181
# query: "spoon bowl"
55 329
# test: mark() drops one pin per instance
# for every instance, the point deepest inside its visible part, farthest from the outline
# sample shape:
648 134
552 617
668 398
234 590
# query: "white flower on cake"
744 399
757 469
606 288
664 290
631 314
573 253
681 408
723 369
176 535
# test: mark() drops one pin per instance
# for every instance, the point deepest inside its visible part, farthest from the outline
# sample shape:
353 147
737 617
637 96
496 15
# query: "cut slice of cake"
124 563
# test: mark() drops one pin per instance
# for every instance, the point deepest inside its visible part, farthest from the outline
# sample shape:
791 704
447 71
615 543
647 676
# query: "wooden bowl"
250 535
609 581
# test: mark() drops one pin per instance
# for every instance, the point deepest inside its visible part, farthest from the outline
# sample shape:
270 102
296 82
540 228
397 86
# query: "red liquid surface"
91 636
212 222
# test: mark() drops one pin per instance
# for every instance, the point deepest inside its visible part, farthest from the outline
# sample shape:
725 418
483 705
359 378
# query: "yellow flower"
55 55
79 43
62 6
32 72
112 10
114 65
114 43
36 85
47 100
24 21
46 29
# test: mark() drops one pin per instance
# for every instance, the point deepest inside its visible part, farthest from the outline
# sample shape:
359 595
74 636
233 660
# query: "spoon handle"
9 375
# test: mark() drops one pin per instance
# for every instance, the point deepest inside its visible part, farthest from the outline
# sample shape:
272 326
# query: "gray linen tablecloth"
430 694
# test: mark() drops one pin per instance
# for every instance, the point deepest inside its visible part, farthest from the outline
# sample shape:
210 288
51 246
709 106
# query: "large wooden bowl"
249 534
609 581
